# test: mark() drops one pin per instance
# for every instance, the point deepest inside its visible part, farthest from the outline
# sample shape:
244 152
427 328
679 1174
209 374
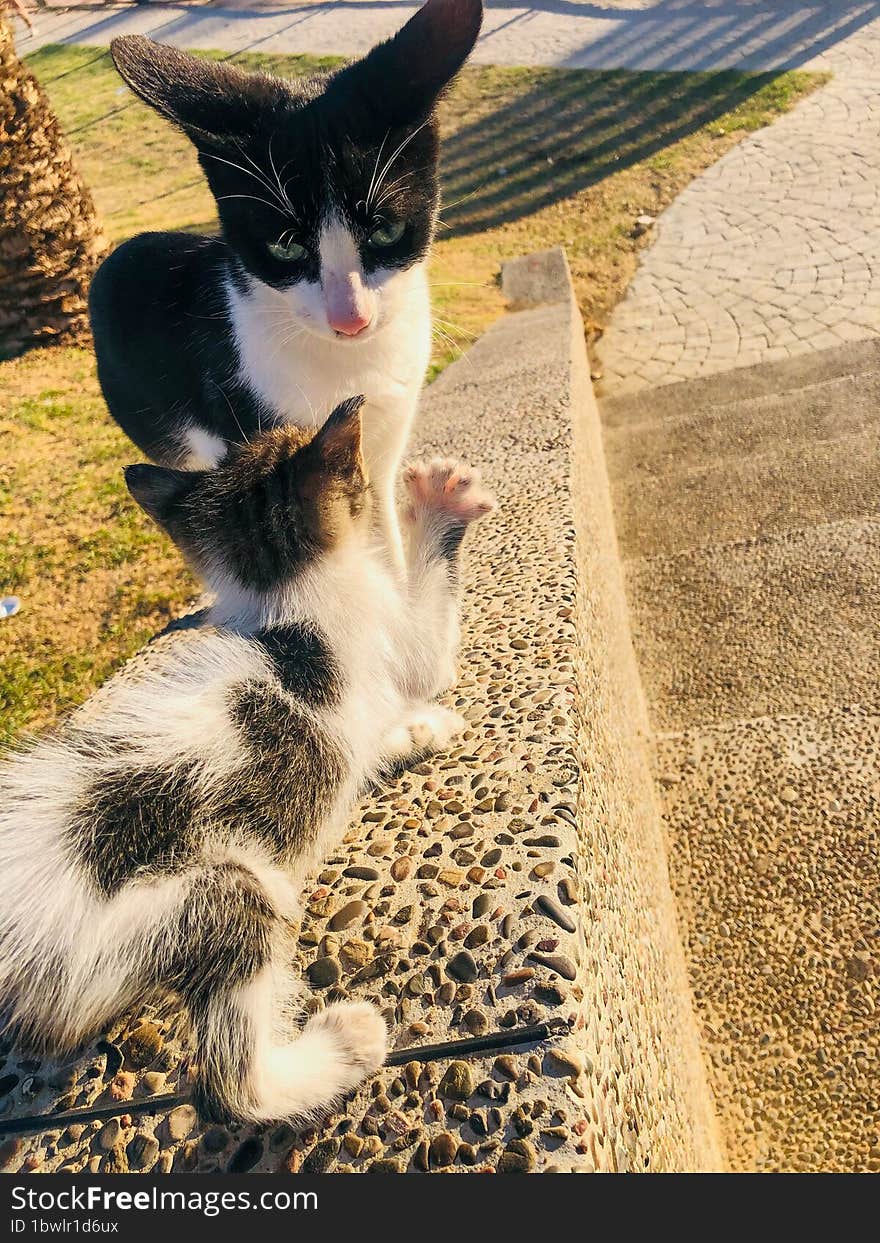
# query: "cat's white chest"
301 377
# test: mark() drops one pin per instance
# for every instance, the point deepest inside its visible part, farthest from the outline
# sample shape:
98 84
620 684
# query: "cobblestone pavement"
772 252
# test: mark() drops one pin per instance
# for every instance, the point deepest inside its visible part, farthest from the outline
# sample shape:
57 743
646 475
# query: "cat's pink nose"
349 323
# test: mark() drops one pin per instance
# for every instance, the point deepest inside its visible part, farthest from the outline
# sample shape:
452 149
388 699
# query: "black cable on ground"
532 1034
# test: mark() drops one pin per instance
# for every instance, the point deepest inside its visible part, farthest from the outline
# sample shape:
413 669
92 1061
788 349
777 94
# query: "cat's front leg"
444 497
386 422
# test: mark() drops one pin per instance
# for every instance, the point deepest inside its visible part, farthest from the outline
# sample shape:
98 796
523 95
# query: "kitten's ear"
209 100
339 441
157 489
403 77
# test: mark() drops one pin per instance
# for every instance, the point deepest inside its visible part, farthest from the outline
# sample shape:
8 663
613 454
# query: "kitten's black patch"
303 663
220 1076
259 531
221 936
290 786
134 820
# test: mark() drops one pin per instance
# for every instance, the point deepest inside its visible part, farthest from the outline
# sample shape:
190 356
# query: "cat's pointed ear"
209 100
403 78
158 489
339 441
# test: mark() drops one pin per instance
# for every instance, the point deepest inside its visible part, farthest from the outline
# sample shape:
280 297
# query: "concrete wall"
650 1105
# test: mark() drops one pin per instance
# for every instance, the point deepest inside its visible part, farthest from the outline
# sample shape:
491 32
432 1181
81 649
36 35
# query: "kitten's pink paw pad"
446 486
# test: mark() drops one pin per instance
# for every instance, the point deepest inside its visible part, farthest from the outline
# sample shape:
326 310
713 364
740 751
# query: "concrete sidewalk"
666 35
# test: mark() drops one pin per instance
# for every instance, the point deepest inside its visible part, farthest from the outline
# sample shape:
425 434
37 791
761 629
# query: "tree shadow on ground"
572 129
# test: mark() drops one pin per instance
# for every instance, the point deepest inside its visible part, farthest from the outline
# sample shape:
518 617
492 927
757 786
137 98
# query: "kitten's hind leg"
226 954
429 728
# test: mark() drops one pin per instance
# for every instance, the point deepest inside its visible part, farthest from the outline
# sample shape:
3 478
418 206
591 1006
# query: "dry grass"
534 157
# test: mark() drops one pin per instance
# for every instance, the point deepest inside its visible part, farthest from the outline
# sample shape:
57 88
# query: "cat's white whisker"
221 198
401 147
369 199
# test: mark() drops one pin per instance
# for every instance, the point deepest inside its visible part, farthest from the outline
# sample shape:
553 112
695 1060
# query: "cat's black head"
270 509
327 189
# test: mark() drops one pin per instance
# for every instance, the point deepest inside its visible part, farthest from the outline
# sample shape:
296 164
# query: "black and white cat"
327 193
159 841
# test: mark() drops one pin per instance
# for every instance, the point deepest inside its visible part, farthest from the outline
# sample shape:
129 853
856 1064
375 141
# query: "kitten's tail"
252 1065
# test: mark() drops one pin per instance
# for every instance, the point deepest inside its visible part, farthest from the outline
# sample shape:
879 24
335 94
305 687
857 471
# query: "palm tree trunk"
50 240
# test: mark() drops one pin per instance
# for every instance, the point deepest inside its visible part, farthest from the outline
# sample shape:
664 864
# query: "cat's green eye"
388 234
290 252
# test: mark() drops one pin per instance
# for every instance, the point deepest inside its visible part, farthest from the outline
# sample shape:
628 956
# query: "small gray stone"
142 1151
324 972
462 967
108 1136
246 1156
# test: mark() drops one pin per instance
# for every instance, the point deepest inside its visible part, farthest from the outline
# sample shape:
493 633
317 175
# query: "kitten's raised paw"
358 1031
446 486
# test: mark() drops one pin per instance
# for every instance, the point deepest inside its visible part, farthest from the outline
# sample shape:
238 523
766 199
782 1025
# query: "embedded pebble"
506 1065
517 1158
458 1082
385 1165
108 1136
401 868
557 963
557 914
347 915
181 1121
142 1046
443 1149
462 967
246 1156
215 1139
562 1059
324 972
476 1022
142 1151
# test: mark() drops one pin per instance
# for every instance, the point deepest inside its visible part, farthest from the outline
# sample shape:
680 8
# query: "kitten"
327 193
158 842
